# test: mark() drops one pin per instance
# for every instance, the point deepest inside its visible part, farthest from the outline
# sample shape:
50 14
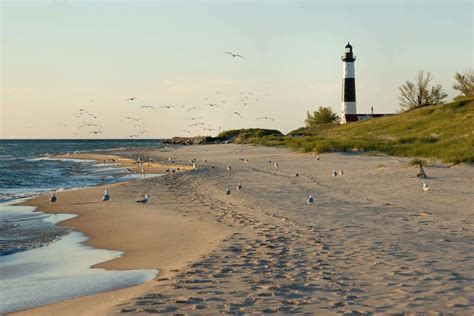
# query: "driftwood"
421 173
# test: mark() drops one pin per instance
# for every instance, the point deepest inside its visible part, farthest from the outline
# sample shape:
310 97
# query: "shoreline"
177 240
372 242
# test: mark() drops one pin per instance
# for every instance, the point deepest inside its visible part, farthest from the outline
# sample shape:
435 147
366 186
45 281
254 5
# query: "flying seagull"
192 108
236 113
131 99
265 118
106 196
147 107
234 55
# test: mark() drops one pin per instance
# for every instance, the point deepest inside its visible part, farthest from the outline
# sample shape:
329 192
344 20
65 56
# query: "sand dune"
373 241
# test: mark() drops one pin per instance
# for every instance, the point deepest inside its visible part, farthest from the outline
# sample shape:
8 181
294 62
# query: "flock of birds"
193 163
105 197
89 123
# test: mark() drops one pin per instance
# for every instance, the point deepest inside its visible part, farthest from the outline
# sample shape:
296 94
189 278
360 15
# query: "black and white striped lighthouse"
348 105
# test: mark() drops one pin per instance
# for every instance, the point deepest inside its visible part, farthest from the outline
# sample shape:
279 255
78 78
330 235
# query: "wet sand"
373 241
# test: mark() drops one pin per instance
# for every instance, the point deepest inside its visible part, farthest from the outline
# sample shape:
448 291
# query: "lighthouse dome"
348 48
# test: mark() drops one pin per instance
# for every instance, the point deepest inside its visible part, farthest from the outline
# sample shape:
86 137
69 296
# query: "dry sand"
373 241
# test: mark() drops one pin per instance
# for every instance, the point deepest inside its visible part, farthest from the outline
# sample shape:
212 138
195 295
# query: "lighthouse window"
348 49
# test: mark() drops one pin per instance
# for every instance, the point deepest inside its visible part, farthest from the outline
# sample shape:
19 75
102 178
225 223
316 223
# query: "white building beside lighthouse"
348 105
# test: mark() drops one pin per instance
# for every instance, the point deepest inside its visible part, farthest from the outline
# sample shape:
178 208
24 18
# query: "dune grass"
444 132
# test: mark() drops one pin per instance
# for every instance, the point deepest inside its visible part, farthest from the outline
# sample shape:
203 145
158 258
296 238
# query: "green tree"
464 82
324 115
420 93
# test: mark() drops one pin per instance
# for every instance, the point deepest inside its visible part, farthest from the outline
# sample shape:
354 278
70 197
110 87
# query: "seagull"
239 186
425 187
227 191
212 104
106 196
229 168
310 199
186 131
269 161
193 118
276 164
297 175
341 173
53 198
167 106
234 55
192 108
147 107
144 200
236 113
265 118
130 99
334 173
317 158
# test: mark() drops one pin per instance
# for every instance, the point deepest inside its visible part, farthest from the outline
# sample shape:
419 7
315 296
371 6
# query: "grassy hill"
444 131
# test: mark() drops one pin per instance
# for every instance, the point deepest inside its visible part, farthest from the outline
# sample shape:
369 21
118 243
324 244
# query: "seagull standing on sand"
53 198
106 196
310 200
297 175
341 173
144 200
334 172
229 168
276 164
227 191
239 186
425 187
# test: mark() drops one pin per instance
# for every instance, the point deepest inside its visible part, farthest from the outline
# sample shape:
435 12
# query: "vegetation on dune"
419 93
464 83
444 131
247 135
324 115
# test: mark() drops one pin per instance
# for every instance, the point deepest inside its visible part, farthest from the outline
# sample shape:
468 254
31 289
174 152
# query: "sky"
59 56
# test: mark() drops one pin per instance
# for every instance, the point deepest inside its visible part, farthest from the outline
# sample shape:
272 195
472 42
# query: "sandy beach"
372 242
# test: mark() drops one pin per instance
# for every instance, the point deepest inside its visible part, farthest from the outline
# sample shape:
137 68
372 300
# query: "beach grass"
444 131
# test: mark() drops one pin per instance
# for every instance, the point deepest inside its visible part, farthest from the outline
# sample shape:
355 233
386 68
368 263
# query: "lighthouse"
348 105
